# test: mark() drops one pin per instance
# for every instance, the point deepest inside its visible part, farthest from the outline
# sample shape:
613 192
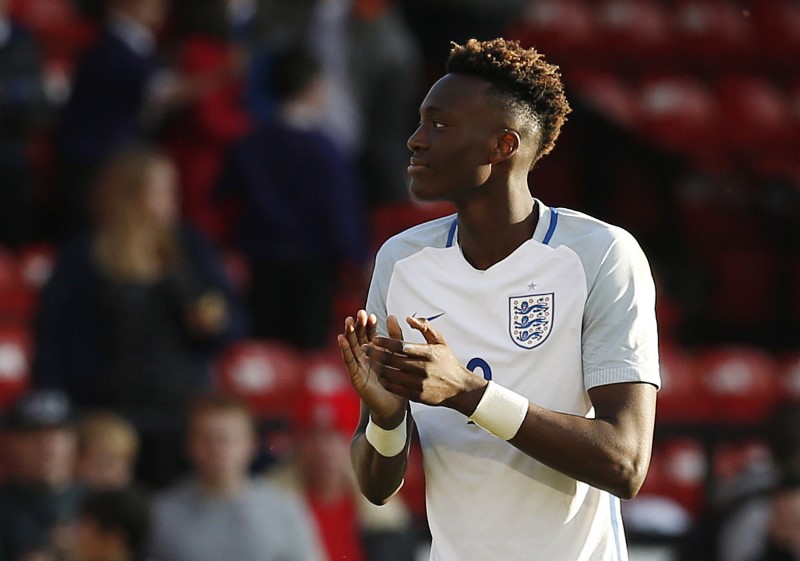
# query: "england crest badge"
530 319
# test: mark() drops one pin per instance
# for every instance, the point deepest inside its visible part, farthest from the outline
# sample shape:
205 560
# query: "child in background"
108 447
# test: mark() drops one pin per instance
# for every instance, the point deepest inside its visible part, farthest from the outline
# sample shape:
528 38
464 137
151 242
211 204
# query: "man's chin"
422 192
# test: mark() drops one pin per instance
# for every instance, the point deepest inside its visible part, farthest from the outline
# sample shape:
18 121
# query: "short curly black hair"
521 80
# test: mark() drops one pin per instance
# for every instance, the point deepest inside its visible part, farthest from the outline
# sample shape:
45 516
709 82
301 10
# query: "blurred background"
193 192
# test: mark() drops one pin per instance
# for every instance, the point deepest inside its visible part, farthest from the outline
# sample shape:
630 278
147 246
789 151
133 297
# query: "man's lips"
416 165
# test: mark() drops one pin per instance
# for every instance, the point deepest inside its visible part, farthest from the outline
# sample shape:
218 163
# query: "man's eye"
438 124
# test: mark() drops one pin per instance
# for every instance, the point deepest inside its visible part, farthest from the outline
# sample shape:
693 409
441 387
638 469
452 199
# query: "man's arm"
379 475
611 451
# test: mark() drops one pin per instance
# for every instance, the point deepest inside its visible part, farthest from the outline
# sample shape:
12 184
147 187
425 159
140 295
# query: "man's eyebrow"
429 109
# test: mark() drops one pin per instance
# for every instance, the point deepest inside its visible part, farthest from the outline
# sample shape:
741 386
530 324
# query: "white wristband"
387 443
500 411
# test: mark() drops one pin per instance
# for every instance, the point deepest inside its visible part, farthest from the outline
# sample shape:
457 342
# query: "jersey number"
485 368
483 365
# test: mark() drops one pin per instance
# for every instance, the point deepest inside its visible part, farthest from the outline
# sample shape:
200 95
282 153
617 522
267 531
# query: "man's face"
44 455
452 145
221 444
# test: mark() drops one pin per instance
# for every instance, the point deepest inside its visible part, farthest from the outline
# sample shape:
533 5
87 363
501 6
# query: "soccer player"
529 365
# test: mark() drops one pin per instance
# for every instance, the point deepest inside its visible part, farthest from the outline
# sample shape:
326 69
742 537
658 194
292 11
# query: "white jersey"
570 309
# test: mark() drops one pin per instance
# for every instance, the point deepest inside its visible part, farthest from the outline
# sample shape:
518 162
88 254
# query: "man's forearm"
379 477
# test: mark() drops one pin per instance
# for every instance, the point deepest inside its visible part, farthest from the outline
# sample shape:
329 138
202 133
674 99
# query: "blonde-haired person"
108 446
136 308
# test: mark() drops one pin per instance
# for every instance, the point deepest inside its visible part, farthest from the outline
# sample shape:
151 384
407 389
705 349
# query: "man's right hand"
386 409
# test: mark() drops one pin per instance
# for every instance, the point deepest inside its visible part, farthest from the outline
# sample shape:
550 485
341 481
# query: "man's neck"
225 486
493 227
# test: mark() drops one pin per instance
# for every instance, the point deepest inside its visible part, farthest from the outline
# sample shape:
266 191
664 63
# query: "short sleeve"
620 336
378 288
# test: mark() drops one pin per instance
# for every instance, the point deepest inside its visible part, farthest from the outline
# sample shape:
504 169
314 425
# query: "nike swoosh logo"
431 318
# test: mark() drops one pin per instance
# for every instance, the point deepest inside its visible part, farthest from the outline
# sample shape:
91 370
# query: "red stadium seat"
327 398
57 24
17 299
756 116
561 28
678 470
391 219
679 113
681 398
741 382
777 24
15 363
740 275
633 30
606 93
325 373
17 305
711 32
712 213
266 374
789 378
9 270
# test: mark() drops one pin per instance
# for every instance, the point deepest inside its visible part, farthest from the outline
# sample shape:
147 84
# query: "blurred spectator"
388 68
756 517
135 312
22 108
120 94
107 451
371 64
113 525
783 542
303 215
222 512
320 474
40 500
200 134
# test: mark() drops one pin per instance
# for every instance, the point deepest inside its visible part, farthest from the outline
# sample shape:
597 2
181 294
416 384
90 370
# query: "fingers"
393 328
362 327
347 354
372 326
351 336
432 336
397 355
398 381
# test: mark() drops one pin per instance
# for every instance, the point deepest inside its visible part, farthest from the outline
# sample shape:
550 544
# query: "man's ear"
507 145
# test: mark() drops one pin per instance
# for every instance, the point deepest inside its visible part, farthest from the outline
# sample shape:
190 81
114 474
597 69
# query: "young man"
537 412
223 512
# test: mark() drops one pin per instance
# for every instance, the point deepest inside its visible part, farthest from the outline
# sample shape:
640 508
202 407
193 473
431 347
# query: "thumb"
393 328
432 336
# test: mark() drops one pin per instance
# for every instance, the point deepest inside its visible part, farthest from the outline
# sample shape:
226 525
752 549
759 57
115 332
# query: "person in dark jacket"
135 312
303 217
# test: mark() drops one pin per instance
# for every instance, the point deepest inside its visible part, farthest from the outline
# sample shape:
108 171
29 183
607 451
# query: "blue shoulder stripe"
552 228
452 233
